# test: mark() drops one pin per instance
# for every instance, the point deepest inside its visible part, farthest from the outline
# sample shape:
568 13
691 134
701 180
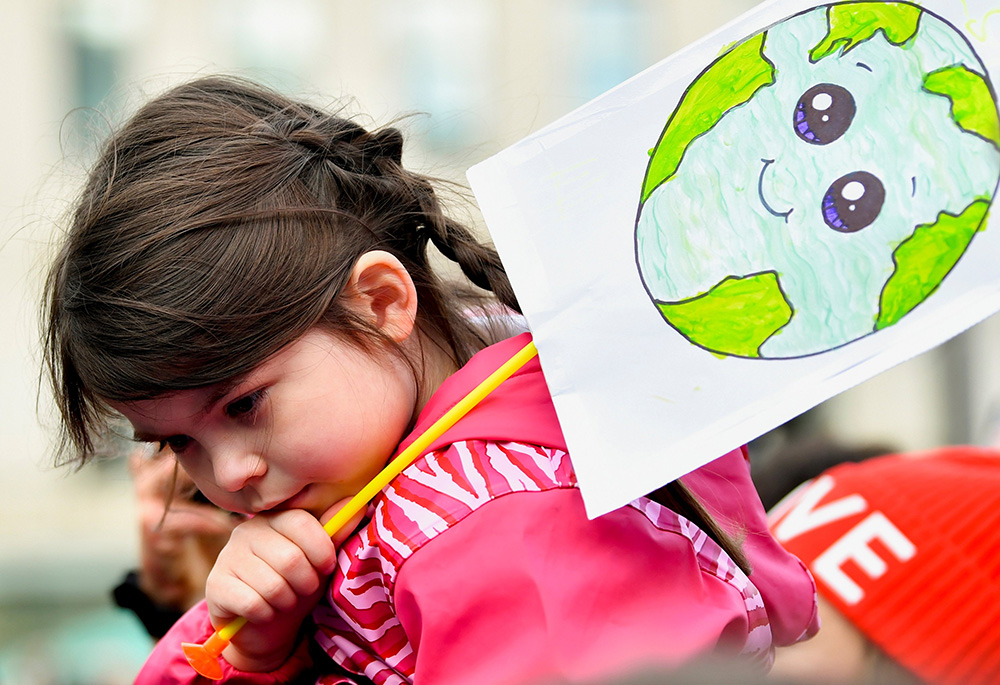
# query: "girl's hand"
273 571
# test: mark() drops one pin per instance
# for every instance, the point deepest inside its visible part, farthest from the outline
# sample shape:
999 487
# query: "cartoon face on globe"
818 181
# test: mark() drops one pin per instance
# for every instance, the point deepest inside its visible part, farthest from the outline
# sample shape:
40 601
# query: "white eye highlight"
853 191
822 101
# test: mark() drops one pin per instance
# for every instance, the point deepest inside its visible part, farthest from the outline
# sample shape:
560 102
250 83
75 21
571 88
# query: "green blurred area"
86 643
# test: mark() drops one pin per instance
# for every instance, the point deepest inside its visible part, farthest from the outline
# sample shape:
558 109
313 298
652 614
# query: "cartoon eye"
823 114
853 201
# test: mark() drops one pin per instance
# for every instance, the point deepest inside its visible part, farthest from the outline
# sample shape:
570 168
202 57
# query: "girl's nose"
234 468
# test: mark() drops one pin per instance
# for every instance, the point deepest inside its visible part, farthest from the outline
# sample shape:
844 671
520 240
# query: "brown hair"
219 225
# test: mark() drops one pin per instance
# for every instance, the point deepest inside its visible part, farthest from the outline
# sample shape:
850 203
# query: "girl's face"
305 429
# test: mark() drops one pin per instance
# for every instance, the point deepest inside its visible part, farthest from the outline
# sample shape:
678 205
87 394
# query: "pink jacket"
478 564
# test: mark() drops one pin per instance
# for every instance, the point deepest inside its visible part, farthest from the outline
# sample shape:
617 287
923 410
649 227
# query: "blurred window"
97 34
278 42
606 41
444 53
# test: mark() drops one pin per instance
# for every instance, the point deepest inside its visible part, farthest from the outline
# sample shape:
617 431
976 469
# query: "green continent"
729 81
852 23
925 258
972 105
735 317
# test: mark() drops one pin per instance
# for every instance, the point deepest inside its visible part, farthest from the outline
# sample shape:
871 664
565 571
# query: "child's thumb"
344 531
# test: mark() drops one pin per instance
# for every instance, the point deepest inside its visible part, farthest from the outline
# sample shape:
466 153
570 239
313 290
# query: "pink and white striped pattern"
358 627
359 630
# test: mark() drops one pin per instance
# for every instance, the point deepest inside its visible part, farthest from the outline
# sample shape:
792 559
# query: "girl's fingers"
273 588
273 563
308 535
288 560
231 596
263 570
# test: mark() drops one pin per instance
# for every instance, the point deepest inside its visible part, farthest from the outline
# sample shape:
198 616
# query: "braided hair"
219 224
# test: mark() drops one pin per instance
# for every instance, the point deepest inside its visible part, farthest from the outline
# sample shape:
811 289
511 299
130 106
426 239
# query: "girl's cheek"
201 475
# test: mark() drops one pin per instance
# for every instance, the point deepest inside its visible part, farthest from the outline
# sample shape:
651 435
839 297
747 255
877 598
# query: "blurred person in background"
905 551
181 534
799 450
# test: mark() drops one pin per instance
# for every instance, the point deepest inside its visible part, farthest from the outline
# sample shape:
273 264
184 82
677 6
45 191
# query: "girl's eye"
246 405
176 443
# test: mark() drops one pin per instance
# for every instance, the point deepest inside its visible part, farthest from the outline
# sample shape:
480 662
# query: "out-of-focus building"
475 76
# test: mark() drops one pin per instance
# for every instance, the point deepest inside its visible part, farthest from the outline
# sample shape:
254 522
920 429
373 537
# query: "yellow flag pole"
204 658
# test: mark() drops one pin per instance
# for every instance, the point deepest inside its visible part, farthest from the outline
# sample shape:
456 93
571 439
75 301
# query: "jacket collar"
520 409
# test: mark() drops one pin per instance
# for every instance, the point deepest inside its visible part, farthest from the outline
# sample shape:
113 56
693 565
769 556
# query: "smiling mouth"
760 192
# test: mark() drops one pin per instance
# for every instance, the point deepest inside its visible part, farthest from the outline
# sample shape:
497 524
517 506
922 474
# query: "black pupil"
823 114
853 201
242 405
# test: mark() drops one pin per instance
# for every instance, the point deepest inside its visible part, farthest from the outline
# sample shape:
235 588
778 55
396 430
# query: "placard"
782 210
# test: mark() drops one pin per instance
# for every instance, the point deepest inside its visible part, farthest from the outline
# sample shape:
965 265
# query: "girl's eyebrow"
139 436
220 391
217 394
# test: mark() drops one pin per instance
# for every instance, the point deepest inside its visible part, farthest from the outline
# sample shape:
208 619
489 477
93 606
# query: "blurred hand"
181 533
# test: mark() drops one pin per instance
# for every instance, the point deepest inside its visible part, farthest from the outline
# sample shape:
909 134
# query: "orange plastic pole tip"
205 658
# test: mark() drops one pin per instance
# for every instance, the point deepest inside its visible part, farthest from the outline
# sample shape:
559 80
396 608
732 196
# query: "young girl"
247 281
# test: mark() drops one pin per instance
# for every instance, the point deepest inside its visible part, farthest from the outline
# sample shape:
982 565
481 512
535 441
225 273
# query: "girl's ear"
381 290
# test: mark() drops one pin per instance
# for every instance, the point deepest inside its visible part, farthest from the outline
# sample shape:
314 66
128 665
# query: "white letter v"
804 516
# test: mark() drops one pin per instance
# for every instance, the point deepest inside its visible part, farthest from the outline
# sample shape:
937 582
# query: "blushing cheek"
328 463
322 449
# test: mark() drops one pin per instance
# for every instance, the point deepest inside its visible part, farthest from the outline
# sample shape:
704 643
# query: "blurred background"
476 75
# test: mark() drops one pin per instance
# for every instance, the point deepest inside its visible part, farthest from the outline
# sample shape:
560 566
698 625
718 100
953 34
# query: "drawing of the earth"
818 181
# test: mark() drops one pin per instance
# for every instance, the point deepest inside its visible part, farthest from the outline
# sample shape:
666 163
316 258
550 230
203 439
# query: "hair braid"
479 262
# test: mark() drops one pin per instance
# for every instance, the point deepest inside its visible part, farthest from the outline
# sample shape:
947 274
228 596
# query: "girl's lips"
316 498
308 499
293 502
